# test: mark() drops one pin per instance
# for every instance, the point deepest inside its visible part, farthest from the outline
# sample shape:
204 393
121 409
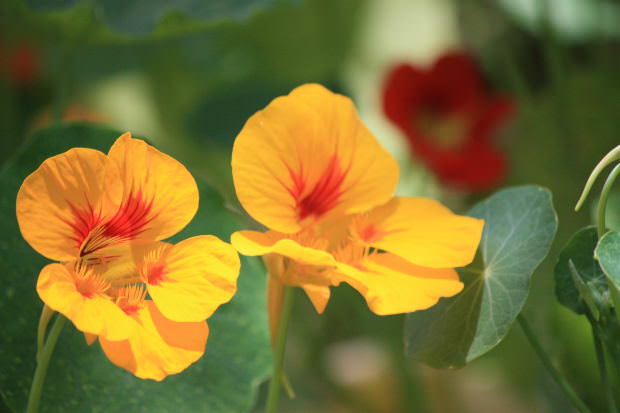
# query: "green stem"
602 202
278 361
46 316
600 357
557 376
39 374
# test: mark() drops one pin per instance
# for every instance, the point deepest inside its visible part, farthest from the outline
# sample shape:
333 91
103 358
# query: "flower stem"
39 374
46 316
557 376
602 202
278 361
600 358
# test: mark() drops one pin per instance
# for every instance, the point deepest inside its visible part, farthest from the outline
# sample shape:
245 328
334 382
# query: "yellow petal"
422 231
193 278
159 347
253 243
392 285
64 199
161 196
308 157
92 313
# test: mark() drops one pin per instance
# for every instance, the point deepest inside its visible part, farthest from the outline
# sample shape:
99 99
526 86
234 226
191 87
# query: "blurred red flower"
449 119
20 65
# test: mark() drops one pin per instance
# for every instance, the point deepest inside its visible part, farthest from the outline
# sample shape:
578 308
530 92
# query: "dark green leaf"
580 252
141 17
80 378
520 224
608 255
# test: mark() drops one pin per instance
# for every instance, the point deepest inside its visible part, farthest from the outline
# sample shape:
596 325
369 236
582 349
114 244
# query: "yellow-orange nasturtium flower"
309 170
102 217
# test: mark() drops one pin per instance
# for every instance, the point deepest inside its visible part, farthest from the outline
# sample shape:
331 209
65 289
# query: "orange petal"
422 231
92 313
90 338
68 195
159 347
191 279
392 285
253 243
161 196
318 295
307 156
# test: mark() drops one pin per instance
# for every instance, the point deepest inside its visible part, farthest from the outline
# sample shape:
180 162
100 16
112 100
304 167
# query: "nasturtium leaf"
80 378
520 224
607 253
579 251
141 17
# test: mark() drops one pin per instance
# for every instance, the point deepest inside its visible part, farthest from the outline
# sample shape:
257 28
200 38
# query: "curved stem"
557 376
278 361
612 156
600 357
39 374
602 202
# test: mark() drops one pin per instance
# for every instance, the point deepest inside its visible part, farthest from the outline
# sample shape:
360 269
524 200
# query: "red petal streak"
84 220
325 194
156 275
130 220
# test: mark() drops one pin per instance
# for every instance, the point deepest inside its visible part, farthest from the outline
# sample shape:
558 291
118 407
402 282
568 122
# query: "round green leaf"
80 378
579 280
520 224
608 255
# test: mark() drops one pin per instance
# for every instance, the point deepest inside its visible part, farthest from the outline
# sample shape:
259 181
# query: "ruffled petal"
191 279
422 231
253 243
159 347
161 196
64 199
392 285
90 310
308 157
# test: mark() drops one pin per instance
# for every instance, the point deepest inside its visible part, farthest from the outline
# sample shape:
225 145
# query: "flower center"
442 129
88 283
131 298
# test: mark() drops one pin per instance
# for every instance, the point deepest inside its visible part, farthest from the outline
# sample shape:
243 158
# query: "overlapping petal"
254 243
82 299
159 347
307 157
64 199
190 280
422 231
392 285
161 196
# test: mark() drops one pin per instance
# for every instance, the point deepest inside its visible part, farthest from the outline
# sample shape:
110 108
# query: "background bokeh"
187 74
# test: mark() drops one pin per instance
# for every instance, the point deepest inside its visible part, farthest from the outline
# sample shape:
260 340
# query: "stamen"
153 268
131 298
89 283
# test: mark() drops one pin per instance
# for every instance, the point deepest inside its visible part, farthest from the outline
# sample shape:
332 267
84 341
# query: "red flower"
449 118
20 65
